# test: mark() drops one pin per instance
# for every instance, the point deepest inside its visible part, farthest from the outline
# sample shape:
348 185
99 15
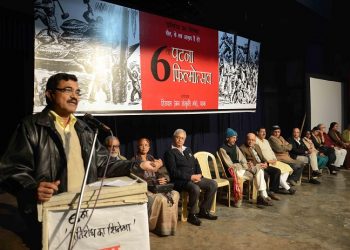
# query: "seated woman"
326 140
337 139
162 207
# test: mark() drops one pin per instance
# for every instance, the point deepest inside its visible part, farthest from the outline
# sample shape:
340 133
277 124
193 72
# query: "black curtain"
205 132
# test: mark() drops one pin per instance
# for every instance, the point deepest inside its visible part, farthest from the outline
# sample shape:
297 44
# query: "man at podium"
49 152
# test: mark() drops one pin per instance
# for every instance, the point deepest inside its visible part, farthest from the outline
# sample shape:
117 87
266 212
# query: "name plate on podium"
119 220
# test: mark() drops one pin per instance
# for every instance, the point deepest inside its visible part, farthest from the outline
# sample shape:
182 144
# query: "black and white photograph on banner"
226 67
98 42
238 71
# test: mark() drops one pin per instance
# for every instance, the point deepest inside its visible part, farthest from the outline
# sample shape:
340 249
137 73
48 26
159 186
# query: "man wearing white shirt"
270 156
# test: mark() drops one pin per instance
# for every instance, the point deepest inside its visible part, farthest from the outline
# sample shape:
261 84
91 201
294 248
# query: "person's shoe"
316 174
292 182
264 201
273 196
291 191
333 172
192 218
314 181
238 203
283 191
206 215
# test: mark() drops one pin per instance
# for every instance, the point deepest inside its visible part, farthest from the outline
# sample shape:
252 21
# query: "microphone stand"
77 211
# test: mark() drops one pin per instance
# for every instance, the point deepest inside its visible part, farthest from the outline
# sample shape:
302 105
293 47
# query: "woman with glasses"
163 206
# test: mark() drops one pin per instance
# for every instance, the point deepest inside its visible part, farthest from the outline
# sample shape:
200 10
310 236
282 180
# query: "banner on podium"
114 227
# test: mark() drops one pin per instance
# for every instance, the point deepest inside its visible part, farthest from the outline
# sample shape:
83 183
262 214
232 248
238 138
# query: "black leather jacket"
35 153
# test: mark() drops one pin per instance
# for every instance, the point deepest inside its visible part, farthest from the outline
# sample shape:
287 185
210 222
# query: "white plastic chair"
204 158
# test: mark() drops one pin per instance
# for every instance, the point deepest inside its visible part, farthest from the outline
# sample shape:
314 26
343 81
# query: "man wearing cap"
281 149
232 157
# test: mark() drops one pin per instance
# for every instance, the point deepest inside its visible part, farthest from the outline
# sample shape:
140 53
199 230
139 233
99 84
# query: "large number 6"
154 64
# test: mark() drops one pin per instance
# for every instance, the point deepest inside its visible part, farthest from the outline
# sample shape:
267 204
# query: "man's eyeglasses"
69 91
180 137
113 146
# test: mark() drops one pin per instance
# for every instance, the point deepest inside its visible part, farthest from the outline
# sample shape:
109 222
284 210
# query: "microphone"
96 123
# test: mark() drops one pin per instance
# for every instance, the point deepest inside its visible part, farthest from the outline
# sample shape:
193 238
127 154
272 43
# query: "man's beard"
116 154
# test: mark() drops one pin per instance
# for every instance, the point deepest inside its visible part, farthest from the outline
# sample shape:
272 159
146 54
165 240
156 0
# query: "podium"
117 221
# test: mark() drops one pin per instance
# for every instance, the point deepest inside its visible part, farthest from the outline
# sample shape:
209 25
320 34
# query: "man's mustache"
73 100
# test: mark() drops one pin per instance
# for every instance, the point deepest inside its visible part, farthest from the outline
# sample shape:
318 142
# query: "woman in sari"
162 207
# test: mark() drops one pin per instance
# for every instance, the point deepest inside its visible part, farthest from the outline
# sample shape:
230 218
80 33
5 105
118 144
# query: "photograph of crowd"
238 71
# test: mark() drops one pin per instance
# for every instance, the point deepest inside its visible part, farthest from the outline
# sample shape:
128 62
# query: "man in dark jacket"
49 154
185 172
301 153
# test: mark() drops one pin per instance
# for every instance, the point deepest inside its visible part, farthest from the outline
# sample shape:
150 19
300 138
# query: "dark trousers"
33 233
330 153
297 171
208 186
274 174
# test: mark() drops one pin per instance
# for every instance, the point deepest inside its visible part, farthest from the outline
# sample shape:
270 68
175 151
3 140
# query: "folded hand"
149 166
162 180
46 190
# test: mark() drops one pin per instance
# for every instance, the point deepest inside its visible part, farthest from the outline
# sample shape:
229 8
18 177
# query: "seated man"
322 159
301 153
281 149
232 157
185 173
316 138
270 156
113 145
252 153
